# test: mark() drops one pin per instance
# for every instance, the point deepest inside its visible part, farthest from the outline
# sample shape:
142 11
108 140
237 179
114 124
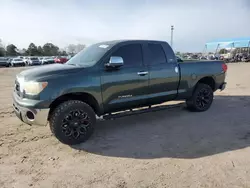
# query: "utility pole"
172 35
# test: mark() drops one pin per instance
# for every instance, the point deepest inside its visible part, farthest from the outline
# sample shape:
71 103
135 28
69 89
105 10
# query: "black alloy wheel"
75 124
72 122
201 99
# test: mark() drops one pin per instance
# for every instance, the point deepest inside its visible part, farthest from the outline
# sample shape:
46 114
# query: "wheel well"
209 81
84 97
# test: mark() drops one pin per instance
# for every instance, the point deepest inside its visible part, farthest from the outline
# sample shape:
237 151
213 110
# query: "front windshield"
90 55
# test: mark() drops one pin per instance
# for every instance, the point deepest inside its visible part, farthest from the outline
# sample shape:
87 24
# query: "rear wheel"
202 98
72 122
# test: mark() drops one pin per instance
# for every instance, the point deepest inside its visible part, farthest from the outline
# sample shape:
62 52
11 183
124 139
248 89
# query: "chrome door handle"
143 73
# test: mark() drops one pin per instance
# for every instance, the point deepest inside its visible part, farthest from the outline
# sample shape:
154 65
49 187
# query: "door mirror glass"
115 61
179 59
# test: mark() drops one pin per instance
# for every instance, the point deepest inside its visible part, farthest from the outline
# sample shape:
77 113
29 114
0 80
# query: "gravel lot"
168 148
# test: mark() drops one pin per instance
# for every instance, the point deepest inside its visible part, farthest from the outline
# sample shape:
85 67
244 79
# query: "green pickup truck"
111 77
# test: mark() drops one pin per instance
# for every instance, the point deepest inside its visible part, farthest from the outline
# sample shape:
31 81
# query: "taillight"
224 67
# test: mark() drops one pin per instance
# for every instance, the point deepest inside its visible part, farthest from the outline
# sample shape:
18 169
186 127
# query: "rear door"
163 73
127 86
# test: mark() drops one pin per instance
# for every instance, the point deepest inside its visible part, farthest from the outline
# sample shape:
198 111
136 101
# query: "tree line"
48 49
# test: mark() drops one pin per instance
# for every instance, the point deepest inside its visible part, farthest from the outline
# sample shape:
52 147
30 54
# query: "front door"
127 86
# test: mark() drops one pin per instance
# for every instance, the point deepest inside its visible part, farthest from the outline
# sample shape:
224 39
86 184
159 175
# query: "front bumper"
40 116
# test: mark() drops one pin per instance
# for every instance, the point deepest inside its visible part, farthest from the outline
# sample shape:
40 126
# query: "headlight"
34 88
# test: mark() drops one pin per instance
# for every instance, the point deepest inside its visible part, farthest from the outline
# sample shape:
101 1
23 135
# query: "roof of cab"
114 42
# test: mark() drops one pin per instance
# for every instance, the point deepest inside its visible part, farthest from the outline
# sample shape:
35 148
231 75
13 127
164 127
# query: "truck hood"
46 71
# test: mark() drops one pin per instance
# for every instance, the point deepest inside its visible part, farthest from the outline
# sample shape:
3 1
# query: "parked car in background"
47 60
25 59
203 58
61 59
40 59
21 57
3 62
32 61
15 62
70 56
245 58
8 61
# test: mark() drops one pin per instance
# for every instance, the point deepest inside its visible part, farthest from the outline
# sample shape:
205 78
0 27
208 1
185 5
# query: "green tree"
25 52
63 53
74 49
50 49
2 50
11 50
40 51
32 50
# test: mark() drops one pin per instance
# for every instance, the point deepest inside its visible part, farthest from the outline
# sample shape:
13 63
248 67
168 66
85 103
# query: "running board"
139 111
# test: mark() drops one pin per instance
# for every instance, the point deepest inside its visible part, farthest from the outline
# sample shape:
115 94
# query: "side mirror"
115 62
179 59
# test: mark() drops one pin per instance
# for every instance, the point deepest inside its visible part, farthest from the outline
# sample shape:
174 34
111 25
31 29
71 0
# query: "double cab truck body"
109 77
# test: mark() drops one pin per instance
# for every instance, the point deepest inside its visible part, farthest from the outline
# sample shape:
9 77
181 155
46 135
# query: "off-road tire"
58 115
194 103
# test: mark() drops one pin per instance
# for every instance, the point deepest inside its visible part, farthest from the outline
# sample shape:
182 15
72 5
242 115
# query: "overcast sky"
77 21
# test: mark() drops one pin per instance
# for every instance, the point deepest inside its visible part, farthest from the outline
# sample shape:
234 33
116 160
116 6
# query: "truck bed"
192 71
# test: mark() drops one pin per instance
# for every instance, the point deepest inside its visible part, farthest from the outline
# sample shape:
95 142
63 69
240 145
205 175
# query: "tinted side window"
157 54
131 54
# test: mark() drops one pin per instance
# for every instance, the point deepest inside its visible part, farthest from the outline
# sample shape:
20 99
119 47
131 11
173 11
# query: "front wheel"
72 122
201 99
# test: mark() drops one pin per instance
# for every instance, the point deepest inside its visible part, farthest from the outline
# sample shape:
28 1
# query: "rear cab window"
131 54
156 54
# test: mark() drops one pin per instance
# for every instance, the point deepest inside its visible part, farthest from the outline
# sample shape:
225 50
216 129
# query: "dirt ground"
168 148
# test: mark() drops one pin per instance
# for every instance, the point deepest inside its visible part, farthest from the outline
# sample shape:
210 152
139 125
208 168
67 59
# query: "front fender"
74 83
